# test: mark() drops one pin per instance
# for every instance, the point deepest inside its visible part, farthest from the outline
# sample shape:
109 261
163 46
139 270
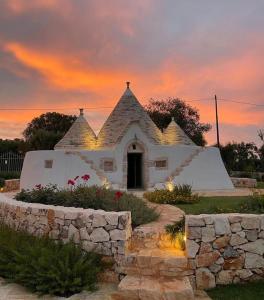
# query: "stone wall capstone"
224 248
103 232
244 182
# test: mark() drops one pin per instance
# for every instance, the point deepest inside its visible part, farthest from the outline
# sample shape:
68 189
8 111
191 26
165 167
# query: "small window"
134 147
48 164
161 164
108 166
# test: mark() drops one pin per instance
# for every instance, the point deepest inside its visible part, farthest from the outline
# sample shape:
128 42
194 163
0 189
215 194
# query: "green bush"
181 194
2 182
91 197
46 267
10 175
255 203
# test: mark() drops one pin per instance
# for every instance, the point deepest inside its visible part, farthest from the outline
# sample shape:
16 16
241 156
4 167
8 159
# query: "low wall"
244 182
12 185
103 232
224 248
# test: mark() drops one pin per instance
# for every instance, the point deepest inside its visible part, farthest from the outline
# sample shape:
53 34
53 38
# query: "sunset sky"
79 53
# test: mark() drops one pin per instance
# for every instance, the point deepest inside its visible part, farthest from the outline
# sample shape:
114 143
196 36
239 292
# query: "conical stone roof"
79 136
173 135
127 110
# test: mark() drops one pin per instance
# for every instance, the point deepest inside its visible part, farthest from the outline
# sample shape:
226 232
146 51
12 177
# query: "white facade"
133 159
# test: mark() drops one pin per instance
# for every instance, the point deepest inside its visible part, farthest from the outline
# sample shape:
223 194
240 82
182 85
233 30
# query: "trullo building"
129 152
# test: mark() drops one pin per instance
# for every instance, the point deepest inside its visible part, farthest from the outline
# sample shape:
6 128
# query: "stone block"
254 247
195 221
221 242
111 219
208 234
194 233
237 240
117 235
250 222
234 263
84 234
215 268
98 220
205 248
235 227
191 248
234 218
99 235
225 277
244 273
252 235
88 246
207 259
204 279
230 252
253 260
222 226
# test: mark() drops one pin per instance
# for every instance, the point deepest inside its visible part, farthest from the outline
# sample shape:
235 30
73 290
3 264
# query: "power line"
241 102
111 107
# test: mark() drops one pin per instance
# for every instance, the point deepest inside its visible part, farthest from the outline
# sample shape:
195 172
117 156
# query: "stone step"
155 262
152 288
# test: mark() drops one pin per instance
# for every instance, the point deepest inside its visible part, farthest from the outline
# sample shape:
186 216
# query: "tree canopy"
43 132
187 117
50 121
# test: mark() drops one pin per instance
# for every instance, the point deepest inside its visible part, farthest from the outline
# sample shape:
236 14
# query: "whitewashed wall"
205 172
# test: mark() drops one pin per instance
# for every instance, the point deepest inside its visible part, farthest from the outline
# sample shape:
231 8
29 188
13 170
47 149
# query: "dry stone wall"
103 232
11 185
224 248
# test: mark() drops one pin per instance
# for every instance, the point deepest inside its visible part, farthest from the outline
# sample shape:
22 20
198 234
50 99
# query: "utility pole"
217 126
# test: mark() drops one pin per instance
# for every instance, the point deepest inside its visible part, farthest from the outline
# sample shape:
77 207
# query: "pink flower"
118 195
86 177
38 186
71 182
76 178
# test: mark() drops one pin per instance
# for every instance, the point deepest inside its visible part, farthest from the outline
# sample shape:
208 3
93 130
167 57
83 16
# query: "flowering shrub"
91 197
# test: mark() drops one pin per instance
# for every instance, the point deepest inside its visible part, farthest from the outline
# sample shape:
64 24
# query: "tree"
241 157
187 117
16 146
43 132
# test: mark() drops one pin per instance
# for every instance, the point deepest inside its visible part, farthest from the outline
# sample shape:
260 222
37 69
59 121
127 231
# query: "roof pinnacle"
81 111
128 83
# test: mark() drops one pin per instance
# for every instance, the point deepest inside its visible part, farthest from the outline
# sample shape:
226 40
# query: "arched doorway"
135 166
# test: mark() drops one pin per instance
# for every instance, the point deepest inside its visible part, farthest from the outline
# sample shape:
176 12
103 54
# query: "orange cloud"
64 72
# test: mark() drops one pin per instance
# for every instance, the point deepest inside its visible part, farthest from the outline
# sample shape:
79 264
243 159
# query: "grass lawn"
217 204
260 185
248 291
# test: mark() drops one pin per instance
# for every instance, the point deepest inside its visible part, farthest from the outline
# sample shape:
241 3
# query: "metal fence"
11 162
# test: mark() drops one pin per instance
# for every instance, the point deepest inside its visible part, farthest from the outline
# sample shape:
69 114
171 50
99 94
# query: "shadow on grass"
247 291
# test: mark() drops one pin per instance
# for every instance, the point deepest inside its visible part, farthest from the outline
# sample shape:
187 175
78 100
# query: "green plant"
44 266
176 231
10 175
180 194
91 197
2 182
255 203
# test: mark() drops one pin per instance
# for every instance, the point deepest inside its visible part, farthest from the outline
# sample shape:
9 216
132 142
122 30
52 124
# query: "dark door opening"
134 171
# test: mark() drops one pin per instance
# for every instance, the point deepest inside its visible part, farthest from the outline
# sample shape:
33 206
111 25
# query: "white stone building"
130 152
